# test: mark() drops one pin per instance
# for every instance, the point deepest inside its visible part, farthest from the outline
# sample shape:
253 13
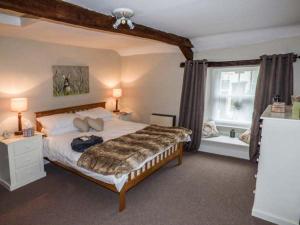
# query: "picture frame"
70 80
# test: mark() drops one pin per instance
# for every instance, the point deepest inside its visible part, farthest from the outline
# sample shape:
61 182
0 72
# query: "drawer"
28 159
32 144
28 174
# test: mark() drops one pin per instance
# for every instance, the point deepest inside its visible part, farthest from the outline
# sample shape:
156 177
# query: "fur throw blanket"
126 153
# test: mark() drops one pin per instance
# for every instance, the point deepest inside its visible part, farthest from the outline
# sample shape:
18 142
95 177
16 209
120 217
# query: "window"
232 95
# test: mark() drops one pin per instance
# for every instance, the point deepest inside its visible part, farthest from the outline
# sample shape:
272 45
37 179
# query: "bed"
58 151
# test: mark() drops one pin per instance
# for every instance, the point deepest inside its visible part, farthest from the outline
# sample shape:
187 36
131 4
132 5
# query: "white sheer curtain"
232 95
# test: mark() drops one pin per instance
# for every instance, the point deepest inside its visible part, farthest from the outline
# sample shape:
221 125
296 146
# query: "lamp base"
17 133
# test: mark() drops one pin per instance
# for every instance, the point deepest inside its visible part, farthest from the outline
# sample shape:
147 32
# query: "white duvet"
58 148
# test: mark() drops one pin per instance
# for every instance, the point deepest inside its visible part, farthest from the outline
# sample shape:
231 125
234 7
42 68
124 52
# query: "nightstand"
21 161
123 115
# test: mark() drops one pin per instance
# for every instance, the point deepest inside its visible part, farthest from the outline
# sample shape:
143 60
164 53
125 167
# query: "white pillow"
96 113
58 131
58 123
210 129
245 137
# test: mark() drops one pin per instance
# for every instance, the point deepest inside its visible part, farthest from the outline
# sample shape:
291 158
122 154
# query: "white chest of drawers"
21 161
277 194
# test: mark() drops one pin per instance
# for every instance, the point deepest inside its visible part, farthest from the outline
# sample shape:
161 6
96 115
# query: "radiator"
163 119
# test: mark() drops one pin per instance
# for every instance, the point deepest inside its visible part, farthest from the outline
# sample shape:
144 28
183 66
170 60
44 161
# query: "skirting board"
272 218
225 149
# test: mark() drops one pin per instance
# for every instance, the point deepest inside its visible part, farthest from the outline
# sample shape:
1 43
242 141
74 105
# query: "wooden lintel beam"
187 52
60 11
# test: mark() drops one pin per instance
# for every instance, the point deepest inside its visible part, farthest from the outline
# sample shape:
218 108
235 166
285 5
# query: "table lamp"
19 105
117 93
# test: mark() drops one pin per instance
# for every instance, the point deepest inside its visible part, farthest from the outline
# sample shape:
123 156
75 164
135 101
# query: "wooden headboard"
71 109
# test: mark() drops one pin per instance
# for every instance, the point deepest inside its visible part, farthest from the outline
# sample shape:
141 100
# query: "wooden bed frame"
175 152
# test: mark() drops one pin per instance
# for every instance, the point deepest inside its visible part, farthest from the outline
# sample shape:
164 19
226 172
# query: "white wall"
153 82
26 71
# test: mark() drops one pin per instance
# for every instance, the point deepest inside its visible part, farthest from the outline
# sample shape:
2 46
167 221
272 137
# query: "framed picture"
70 80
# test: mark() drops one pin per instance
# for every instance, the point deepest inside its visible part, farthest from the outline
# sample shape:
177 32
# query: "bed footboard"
135 177
150 167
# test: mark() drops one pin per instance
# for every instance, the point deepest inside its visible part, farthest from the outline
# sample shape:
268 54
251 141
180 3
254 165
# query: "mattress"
58 148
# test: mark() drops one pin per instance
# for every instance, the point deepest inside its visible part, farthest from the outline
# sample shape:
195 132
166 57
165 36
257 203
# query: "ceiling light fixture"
123 16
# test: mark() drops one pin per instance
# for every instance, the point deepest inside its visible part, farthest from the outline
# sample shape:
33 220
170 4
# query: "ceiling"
209 24
195 18
68 35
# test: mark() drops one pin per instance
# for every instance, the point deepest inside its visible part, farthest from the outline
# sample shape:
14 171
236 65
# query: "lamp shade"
117 92
18 104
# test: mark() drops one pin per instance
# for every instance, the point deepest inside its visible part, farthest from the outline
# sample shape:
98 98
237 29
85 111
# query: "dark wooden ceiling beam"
187 52
60 11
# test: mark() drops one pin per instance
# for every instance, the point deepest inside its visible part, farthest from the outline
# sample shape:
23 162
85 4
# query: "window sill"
233 125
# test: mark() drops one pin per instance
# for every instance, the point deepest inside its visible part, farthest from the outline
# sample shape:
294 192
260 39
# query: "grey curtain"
192 101
275 78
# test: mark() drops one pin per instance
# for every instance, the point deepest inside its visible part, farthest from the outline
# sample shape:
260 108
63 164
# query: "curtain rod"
248 62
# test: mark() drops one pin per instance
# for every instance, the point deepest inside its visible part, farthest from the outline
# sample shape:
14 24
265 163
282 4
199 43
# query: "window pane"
232 94
246 78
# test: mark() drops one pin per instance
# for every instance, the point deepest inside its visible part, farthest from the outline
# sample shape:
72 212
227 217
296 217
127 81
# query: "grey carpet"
205 190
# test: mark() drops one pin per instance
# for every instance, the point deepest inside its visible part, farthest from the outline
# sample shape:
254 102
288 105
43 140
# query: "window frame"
212 85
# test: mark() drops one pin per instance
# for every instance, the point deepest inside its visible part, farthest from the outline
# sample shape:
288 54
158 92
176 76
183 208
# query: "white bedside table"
21 161
123 115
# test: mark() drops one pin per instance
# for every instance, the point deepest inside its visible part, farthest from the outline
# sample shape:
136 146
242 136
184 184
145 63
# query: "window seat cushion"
226 140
